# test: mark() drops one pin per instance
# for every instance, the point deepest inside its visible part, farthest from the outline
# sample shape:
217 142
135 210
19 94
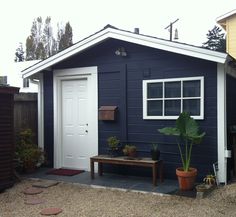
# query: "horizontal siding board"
143 63
231 118
48 116
109 94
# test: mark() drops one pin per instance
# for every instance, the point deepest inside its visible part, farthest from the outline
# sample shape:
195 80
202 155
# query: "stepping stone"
32 191
34 201
45 184
51 211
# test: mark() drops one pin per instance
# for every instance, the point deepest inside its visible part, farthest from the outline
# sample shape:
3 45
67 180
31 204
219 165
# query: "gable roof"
221 19
140 39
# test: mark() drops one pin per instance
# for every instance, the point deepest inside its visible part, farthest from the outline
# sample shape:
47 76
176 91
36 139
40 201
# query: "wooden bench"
143 162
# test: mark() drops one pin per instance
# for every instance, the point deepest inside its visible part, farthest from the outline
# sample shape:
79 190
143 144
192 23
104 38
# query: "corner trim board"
221 123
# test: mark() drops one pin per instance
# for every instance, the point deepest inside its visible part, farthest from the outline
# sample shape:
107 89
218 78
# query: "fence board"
26 113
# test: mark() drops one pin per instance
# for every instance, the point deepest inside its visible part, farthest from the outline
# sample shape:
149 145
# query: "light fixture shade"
176 34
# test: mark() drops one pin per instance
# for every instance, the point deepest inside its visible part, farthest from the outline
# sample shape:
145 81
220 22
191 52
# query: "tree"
19 54
34 42
40 51
65 37
216 40
36 30
48 39
30 48
41 43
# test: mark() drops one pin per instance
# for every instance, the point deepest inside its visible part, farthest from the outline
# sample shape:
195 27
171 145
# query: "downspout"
40 104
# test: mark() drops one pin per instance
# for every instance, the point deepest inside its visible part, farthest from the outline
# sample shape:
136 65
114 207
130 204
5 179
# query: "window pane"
191 88
154 107
172 107
192 106
172 89
154 90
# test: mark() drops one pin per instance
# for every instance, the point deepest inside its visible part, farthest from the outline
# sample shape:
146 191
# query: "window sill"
169 117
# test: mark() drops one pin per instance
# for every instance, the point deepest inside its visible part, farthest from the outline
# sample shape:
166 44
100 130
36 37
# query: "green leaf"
171 131
197 139
187 126
188 131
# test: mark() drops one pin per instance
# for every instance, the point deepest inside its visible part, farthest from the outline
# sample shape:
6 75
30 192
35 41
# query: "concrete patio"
134 183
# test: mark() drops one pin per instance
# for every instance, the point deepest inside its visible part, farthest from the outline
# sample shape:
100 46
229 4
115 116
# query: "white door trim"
89 73
221 123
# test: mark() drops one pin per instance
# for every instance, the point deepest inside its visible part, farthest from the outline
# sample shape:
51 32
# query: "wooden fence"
26 113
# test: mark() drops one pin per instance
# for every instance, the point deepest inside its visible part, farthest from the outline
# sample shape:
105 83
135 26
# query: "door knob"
86 131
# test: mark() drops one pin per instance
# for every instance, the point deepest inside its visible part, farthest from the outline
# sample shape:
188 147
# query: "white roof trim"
224 16
129 37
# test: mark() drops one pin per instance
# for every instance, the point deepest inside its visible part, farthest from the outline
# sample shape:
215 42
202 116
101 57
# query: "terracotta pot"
186 179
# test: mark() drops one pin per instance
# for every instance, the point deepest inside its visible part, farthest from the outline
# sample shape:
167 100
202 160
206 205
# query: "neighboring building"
151 81
13 77
228 22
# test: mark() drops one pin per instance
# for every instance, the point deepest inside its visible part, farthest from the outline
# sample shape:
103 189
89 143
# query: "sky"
196 17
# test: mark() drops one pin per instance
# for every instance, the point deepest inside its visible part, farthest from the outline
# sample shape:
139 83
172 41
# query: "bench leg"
92 168
100 169
161 171
154 174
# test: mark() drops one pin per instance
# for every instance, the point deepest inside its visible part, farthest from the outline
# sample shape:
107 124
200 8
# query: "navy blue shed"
150 81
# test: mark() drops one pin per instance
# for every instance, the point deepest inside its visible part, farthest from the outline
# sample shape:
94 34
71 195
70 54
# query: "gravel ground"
77 200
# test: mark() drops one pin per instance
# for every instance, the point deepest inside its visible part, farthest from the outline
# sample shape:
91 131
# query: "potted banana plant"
187 132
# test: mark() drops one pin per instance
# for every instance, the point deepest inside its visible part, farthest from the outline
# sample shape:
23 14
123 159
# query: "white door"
74 124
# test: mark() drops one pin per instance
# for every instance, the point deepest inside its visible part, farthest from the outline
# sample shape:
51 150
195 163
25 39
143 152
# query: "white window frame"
163 117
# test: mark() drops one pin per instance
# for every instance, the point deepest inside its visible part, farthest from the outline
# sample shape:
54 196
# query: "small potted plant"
187 132
209 183
28 154
130 150
210 180
114 145
155 152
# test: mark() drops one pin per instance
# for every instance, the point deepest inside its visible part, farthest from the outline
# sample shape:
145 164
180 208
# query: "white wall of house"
14 76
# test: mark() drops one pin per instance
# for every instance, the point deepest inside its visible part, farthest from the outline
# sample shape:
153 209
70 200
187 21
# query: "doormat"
64 172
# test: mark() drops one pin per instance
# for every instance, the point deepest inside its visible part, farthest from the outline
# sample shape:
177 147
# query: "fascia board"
170 46
65 54
129 37
225 16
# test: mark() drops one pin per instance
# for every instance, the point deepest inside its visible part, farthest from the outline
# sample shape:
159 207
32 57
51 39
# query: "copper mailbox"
107 113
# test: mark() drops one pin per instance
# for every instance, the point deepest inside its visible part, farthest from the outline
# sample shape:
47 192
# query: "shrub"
28 154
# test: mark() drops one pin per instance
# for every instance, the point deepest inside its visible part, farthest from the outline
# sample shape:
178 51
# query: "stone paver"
45 183
51 211
34 201
32 191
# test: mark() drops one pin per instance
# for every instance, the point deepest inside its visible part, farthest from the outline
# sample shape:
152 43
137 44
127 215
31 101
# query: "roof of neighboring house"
221 19
140 39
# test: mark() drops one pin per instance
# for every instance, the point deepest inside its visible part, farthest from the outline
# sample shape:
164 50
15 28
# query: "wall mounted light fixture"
121 52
